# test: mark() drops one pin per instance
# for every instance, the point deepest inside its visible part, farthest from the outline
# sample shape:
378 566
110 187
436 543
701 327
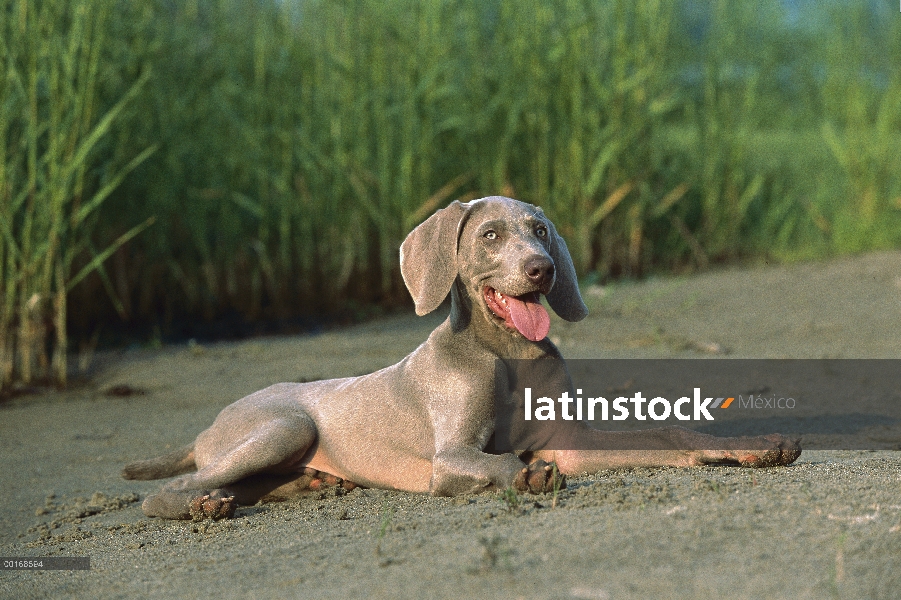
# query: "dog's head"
505 252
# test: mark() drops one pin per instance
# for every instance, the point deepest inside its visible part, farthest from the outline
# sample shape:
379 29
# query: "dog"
422 425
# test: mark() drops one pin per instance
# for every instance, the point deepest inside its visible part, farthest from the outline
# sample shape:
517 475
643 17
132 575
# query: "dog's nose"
540 270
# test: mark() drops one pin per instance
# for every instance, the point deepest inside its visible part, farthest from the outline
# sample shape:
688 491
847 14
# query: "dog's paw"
781 451
775 450
209 507
320 479
539 477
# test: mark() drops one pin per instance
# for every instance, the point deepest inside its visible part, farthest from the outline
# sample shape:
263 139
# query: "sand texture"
827 526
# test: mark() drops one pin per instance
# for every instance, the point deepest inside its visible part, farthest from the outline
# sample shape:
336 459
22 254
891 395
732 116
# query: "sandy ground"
828 526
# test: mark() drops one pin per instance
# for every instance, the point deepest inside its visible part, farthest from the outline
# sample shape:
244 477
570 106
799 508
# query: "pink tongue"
529 317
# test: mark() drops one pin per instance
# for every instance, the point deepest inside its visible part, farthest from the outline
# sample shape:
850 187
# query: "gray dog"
422 425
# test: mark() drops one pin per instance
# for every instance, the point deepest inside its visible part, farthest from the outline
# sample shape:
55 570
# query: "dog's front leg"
467 470
668 446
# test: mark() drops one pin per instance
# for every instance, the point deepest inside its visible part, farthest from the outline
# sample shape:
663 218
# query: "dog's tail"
168 465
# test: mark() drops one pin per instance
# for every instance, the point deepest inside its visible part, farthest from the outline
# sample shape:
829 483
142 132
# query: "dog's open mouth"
523 313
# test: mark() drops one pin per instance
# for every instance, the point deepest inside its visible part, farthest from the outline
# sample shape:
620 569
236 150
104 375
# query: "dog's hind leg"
266 439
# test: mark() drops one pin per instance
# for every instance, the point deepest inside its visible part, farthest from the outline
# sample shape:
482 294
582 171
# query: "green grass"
510 498
50 127
298 142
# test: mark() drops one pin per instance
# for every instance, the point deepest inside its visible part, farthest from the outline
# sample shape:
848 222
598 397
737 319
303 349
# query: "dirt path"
829 526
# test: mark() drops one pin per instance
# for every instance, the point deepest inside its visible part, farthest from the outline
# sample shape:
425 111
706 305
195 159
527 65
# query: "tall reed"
861 99
300 141
50 128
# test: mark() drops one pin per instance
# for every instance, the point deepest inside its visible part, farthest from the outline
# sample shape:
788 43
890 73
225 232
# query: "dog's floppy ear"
428 257
564 297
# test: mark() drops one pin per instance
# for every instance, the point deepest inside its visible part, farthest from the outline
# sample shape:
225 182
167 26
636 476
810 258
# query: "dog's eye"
541 231
490 235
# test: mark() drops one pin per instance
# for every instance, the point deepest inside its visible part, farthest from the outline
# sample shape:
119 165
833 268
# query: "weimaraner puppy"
422 425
